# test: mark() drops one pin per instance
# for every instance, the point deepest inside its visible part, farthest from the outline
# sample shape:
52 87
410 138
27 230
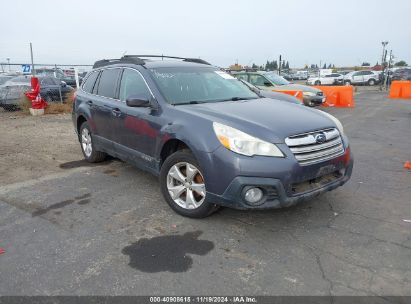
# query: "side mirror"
63 84
268 84
138 101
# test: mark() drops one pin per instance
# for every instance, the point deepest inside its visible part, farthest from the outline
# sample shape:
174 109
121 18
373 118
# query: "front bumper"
315 100
283 185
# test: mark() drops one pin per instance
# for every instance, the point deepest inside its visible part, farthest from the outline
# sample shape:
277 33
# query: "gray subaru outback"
211 140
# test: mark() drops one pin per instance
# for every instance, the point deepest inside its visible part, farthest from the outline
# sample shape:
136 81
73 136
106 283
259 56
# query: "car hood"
268 119
297 87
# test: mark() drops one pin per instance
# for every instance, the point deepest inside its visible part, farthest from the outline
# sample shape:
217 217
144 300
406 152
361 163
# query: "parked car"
402 74
4 78
271 94
59 74
210 139
13 90
362 77
270 81
331 79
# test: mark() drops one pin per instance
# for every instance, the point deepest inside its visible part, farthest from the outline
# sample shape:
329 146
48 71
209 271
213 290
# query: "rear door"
105 103
357 77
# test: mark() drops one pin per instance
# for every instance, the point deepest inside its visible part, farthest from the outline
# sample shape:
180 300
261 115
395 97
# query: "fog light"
253 195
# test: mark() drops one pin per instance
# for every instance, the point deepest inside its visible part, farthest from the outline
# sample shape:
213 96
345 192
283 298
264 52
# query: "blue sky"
304 32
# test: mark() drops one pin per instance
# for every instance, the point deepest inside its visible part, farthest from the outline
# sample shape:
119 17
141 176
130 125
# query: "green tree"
287 66
275 65
366 64
254 66
401 63
324 66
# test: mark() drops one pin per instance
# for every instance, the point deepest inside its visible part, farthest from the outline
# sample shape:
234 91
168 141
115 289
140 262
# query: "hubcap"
185 184
86 142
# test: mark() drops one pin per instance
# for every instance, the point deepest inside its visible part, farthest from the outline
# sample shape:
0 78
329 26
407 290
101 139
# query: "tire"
87 146
317 82
371 82
173 174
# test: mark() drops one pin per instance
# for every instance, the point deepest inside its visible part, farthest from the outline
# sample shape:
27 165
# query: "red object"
2 251
34 95
407 165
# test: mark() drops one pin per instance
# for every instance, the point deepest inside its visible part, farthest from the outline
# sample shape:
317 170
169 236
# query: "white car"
326 79
362 77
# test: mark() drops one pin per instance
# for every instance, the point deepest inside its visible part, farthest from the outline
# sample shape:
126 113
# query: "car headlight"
243 143
336 121
308 94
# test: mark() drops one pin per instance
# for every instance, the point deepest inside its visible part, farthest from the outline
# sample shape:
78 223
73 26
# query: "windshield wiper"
237 98
186 103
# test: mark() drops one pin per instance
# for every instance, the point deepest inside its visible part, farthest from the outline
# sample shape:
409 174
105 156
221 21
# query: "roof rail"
105 62
195 60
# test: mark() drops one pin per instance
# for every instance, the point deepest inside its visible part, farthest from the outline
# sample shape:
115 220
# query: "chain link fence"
57 82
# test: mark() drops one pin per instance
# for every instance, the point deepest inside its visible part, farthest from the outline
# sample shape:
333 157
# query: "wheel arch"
170 146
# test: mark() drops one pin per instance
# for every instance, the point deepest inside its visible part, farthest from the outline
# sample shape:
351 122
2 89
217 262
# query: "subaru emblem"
320 138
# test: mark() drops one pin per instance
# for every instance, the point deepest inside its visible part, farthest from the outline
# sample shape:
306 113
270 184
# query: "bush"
60 108
24 104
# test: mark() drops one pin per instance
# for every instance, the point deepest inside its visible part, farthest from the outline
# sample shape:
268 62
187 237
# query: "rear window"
89 83
108 83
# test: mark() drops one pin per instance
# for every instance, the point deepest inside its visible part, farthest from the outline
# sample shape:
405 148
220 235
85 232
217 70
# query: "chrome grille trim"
307 151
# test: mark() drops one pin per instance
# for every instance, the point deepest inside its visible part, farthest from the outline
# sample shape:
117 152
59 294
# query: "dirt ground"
26 154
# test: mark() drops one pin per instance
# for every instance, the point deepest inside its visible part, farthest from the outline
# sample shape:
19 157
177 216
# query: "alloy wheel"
185 184
86 142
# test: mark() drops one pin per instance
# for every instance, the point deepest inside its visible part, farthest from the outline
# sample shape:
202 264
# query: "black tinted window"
132 84
108 82
89 84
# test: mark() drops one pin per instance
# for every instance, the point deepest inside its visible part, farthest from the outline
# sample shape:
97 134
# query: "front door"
138 126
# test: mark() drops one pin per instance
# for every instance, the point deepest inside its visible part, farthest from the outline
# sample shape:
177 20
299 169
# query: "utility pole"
384 44
32 61
279 67
389 66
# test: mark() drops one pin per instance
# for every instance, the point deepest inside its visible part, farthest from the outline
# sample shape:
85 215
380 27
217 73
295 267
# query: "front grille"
308 151
315 183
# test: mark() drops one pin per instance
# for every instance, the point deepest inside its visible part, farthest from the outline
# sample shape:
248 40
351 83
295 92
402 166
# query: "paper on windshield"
224 75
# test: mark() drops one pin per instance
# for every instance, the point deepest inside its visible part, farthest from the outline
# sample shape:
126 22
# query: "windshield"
199 85
277 80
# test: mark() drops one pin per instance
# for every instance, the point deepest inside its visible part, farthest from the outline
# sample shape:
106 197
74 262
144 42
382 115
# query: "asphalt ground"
106 230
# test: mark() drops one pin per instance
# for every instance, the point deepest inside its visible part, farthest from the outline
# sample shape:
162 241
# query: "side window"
89 83
108 83
132 84
47 81
242 76
257 80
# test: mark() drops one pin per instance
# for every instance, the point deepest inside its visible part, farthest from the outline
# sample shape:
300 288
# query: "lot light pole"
384 44
32 61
